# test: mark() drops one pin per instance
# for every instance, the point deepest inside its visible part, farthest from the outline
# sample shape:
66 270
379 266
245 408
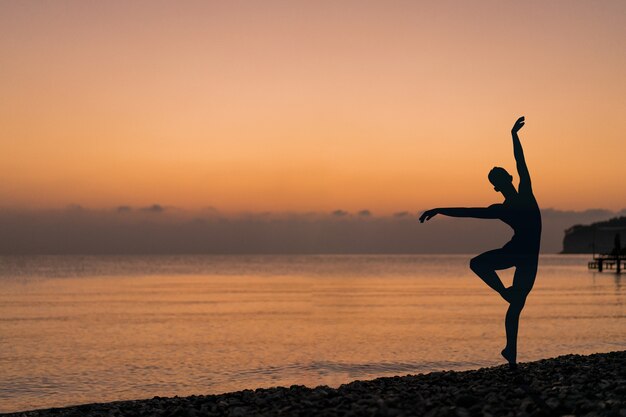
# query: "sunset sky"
309 105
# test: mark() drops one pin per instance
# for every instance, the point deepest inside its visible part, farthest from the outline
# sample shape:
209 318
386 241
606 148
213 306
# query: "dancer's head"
500 179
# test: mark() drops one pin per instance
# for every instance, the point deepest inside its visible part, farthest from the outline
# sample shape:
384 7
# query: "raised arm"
518 152
491 212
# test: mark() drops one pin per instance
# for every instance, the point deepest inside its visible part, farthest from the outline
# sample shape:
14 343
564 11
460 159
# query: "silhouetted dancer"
520 211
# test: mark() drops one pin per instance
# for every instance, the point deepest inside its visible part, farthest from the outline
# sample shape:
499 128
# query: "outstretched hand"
428 214
518 125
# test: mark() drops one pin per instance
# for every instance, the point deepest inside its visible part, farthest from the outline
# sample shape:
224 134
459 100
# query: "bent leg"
522 284
485 266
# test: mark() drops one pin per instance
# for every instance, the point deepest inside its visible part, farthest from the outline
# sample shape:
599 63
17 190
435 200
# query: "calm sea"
91 329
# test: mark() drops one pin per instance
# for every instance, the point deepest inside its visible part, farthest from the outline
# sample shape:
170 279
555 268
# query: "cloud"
155 208
401 214
211 210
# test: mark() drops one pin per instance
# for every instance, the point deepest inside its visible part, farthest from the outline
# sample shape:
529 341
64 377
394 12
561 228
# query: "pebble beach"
593 385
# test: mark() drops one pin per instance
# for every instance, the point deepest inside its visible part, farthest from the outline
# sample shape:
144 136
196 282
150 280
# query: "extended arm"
518 152
490 212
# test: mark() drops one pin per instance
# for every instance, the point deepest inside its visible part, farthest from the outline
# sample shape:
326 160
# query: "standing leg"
485 266
522 284
511 324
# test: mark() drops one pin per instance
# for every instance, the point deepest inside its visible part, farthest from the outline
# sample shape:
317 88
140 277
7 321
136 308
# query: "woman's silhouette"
520 211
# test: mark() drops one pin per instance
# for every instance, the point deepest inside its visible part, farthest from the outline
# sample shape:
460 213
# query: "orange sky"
298 105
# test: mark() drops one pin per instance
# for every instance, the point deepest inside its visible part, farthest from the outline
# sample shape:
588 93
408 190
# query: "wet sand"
593 385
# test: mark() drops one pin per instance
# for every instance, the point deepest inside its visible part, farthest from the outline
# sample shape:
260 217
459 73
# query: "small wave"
58 318
359 369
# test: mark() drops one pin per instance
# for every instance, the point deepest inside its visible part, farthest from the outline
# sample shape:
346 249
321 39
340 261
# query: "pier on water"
608 262
612 261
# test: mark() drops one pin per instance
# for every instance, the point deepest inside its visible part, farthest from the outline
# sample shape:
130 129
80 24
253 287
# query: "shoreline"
566 385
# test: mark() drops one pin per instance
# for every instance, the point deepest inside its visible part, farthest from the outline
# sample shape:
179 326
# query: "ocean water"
82 329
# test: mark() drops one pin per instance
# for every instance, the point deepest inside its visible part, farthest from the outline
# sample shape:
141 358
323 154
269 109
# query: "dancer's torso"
522 214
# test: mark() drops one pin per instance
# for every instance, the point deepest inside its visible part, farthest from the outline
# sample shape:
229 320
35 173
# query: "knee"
518 299
476 264
518 304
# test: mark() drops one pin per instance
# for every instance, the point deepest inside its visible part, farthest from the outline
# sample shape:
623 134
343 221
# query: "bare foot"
507 294
510 357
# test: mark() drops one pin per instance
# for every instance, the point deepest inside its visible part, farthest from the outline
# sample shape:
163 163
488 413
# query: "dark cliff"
601 235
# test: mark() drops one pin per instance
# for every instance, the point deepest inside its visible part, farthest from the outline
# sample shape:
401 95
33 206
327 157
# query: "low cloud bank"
161 229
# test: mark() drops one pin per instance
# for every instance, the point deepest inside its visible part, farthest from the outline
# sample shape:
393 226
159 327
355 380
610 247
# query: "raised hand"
518 125
428 214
